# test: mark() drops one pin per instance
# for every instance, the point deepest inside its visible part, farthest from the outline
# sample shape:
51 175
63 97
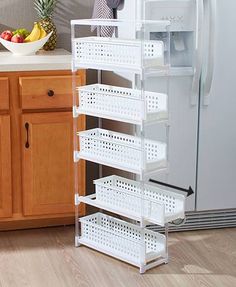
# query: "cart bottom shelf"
153 259
123 240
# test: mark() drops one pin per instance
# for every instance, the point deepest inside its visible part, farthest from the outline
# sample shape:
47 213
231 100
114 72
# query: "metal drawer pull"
27 145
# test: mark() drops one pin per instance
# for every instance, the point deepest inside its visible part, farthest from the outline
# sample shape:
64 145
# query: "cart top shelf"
118 23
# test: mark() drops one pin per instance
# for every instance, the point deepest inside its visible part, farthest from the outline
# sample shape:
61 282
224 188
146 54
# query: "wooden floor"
47 257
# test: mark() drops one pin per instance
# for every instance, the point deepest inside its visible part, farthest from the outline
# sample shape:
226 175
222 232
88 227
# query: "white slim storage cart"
135 200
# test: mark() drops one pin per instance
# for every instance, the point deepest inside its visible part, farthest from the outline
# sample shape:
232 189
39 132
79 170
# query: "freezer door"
217 132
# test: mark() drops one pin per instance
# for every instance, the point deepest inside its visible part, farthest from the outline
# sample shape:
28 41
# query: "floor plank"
47 257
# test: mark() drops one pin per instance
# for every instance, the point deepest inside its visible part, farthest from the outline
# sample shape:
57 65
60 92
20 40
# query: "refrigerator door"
186 23
182 136
185 17
217 130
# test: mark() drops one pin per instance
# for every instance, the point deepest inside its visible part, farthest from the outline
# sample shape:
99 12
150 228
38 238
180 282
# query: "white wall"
21 13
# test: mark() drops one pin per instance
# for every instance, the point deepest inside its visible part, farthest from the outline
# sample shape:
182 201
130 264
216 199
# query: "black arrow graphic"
188 191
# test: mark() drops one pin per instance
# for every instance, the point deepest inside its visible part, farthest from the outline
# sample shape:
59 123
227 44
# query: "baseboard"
204 220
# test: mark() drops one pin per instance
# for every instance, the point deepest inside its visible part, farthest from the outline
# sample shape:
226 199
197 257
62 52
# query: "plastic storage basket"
121 151
114 53
122 104
159 206
120 239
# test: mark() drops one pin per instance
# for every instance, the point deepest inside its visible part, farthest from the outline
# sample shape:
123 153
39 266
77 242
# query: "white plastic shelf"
114 54
122 104
123 196
148 204
121 239
122 151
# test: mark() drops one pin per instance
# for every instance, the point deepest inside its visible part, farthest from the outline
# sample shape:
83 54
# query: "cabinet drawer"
4 94
46 92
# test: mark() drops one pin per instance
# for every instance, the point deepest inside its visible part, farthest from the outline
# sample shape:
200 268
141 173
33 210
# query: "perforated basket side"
118 52
124 193
121 150
113 52
110 101
122 103
174 203
120 237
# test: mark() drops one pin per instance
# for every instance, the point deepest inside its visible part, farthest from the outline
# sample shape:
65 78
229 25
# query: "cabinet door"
48 163
5 168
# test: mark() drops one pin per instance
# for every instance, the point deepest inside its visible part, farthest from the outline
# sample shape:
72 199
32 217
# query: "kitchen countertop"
58 59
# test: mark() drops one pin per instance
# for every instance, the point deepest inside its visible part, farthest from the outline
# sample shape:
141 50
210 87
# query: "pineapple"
45 9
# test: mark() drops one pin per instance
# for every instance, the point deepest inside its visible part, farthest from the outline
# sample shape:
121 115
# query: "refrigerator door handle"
198 51
211 52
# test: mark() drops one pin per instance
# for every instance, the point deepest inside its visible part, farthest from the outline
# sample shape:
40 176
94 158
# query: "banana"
42 32
35 34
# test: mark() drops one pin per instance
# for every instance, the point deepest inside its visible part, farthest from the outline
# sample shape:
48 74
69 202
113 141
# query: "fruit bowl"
25 49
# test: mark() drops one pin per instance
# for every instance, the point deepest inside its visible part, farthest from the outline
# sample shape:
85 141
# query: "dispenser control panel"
181 13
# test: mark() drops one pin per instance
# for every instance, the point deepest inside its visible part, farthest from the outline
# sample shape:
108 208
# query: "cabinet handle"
51 93
27 145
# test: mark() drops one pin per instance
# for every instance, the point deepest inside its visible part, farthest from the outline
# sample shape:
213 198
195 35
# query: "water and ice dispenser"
182 15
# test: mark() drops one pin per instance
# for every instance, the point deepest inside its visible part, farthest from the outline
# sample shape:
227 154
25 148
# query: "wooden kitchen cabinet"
5 167
47 163
36 149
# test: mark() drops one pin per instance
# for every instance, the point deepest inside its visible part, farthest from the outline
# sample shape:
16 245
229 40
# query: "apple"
6 35
17 39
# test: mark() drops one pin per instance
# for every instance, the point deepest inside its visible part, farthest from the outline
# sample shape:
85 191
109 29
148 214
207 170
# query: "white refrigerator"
202 91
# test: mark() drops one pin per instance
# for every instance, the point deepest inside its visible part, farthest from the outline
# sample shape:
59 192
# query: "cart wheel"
179 221
142 270
77 244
